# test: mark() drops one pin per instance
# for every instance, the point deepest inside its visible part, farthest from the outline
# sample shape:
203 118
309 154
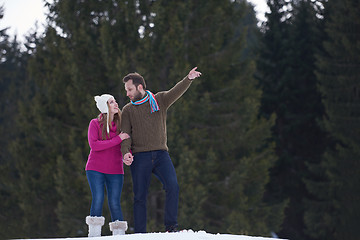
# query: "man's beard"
137 96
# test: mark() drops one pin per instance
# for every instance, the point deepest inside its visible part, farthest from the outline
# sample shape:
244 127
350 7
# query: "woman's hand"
124 136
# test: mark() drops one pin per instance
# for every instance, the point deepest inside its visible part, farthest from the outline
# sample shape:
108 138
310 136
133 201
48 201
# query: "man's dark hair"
136 78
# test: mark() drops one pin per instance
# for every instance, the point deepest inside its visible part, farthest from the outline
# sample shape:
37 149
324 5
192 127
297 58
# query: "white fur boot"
118 227
95 224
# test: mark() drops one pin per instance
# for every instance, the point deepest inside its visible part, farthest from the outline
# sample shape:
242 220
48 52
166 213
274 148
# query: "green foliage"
286 71
12 74
335 211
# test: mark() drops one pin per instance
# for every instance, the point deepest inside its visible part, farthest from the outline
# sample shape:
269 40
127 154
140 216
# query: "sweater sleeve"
126 128
170 96
95 142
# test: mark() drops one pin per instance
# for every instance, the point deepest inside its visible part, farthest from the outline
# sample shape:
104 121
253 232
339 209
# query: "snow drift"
183 235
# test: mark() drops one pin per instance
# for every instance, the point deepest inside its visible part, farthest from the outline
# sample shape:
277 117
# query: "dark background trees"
12 72
335 209
265 141
287 76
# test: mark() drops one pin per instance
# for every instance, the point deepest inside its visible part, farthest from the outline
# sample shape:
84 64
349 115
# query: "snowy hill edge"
183 235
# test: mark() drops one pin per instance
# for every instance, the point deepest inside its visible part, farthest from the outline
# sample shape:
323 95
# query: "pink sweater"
105 155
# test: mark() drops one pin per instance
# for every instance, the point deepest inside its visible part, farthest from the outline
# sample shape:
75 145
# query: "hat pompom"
101 102
97 98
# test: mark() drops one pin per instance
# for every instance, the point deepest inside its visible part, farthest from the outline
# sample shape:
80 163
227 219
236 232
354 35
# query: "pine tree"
33 151
286 66
303 140
336 212
271 65
12 75
272 56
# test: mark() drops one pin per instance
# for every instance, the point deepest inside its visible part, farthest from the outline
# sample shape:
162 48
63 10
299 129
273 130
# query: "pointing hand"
194 74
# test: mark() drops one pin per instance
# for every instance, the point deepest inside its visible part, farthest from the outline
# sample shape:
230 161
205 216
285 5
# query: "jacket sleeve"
170 96
126 128
95 141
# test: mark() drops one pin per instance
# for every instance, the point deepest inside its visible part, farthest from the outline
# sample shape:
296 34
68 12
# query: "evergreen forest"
265 142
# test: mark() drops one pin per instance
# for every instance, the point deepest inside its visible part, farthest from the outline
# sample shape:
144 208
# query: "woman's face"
113 106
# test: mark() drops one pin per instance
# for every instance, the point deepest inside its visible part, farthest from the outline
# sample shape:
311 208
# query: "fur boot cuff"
118 225
95 220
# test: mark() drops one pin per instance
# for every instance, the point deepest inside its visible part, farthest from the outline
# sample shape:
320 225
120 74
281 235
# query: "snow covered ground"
183 235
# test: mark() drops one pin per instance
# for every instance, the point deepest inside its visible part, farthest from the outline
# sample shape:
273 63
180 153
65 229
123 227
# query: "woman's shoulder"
94 121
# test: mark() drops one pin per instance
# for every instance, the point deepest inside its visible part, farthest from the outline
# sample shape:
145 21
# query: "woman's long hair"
102 120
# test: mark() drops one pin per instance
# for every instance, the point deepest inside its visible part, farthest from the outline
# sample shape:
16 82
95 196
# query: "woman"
105 166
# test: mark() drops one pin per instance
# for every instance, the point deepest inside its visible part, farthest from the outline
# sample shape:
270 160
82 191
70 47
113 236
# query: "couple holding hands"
136 136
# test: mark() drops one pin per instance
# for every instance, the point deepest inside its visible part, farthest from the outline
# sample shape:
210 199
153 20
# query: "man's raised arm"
180 88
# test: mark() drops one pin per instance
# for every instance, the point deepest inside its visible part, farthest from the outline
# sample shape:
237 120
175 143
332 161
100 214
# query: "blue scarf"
154 106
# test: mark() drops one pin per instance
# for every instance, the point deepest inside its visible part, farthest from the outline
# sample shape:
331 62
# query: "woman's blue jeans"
160 164
114 184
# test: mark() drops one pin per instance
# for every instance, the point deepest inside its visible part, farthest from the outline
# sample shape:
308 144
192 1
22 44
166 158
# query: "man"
144 119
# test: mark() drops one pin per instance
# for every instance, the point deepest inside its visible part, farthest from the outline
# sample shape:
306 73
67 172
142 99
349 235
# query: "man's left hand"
194 74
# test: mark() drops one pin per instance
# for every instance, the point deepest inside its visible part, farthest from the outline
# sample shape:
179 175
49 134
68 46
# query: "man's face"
132 92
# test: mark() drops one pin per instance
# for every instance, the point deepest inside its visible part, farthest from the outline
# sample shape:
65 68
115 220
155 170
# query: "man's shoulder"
160 94
127 107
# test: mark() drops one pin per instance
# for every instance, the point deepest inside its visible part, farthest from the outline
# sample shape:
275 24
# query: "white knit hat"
101 104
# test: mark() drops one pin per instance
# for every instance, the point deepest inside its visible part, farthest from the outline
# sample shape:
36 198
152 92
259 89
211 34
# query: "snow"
183 235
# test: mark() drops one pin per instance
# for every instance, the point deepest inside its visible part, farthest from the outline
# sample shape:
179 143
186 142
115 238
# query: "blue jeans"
114 184
159 163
